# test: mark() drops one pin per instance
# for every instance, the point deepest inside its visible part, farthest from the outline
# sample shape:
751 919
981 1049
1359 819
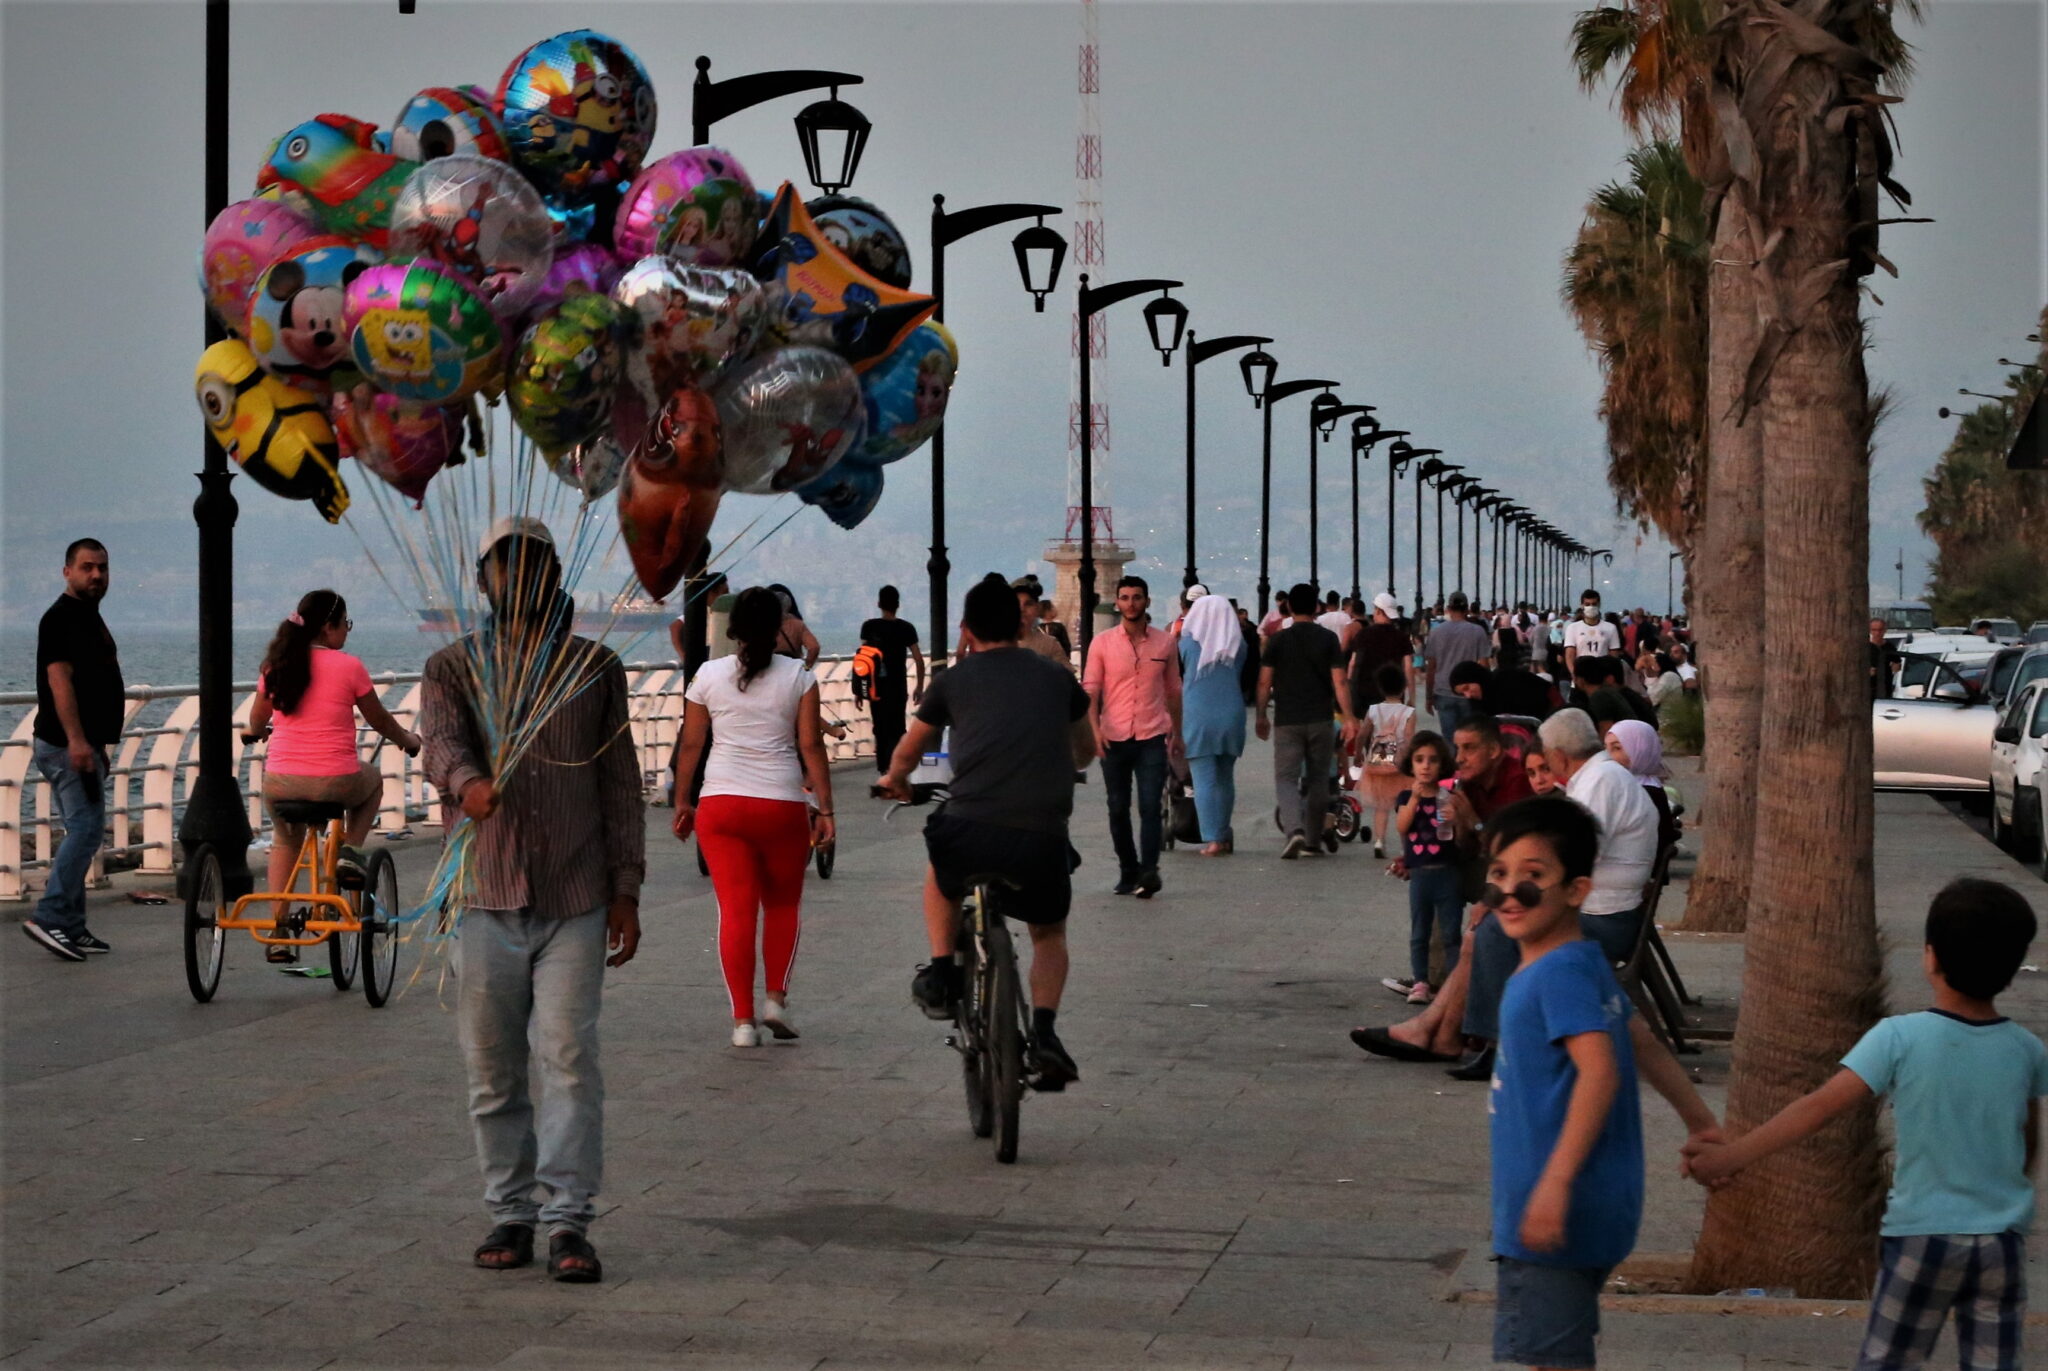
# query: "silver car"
1940 741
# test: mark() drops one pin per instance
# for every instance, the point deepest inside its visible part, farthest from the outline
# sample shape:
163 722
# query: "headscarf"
1214 628
1645 750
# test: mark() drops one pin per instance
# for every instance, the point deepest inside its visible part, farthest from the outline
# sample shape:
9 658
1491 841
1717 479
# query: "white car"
2019 776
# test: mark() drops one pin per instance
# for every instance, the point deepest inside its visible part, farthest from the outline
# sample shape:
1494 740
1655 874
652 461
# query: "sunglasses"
1527 894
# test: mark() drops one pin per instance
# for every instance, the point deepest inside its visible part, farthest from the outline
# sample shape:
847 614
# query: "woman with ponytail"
307 697
759 710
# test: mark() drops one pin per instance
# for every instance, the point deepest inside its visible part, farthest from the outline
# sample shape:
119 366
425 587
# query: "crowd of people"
1530 825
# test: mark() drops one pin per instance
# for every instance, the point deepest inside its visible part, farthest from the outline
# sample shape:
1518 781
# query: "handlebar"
919 795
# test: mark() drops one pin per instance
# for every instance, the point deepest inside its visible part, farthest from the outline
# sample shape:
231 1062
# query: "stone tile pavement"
284 1179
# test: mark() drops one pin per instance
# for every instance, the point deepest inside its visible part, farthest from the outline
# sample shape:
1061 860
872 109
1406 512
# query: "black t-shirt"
1511 690
895 638
1011 712
72 631
1883 659
1302 656
1372 647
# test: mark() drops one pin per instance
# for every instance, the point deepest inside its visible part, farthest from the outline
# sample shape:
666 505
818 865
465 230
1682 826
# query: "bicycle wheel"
1004 1028
345 950
974 1063
1347 821
826 857
380 929
206 942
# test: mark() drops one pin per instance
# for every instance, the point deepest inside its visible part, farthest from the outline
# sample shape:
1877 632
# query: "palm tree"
1635 283
1989 524
1802 154
1658 54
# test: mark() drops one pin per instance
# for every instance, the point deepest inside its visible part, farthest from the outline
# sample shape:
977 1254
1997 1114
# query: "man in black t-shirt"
1302 677
896 640
78 717
1019 728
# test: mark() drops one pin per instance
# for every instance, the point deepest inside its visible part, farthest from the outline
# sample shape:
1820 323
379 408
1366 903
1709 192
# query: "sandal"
565 1248
513 1242
280 954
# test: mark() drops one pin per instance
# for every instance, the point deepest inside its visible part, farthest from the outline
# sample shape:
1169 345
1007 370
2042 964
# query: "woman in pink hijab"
1636 746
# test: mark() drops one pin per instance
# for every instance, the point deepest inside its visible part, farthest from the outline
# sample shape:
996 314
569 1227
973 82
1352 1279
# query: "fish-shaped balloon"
275 432
331 171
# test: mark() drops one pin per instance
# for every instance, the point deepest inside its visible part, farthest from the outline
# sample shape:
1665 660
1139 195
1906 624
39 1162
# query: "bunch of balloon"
652 325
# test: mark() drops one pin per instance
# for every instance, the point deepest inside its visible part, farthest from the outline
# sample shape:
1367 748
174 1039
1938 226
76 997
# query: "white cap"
1386 604
514 526
1194 592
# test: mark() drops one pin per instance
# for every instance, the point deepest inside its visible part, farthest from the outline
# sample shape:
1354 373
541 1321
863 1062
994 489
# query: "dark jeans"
1451 711
84 807
1495 956
1433 907
1144 758
886 709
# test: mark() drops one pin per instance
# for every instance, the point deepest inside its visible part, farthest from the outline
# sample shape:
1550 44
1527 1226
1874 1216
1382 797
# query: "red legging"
757 851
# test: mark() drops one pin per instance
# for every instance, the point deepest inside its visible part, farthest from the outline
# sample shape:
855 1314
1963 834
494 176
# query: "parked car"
2000 630
2019 776
1937 738
1902 617
2012 670
2037 632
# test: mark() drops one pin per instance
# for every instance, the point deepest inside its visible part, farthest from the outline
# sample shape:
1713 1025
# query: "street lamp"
1040 251
1166 319
1397 458
1258 367
1269 396
1365 435
1437 473
1424 469
831 132
216 820
1324 414
1200 350
1091 301
1456 487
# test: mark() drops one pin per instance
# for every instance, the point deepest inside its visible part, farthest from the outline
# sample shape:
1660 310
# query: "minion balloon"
275 433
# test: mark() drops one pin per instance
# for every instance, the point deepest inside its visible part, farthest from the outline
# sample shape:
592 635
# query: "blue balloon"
847 494
906 395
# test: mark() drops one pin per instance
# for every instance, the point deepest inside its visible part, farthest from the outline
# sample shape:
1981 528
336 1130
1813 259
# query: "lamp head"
832 134
1321 413
1258 368
1166 319
1040 253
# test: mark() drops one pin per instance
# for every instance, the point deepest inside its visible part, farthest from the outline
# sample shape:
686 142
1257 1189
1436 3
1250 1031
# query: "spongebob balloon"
421 333
275 432
330 170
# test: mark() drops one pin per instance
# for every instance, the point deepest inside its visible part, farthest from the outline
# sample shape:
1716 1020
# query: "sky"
1386 189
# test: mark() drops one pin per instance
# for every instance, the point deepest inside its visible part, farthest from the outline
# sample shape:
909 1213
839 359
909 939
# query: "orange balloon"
665 525
683 442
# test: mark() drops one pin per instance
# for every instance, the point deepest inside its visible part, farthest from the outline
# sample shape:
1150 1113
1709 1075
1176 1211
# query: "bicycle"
359 926
992 1018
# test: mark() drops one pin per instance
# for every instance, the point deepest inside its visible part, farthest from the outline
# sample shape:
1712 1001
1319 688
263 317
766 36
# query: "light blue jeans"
530 987
1215 780
62 908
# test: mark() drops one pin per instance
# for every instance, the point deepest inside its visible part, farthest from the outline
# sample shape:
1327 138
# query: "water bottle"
1445 830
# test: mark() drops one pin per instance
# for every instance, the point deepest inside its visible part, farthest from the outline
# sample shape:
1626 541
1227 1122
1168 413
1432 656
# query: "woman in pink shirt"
307 697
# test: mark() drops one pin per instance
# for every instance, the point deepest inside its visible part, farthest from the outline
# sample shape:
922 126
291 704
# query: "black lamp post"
215 817
1197 353
1166 319
1504 515
1271 395
1040 251
1324 414
1456 486
1365 435
1397 458
1422 474
1437 473
832 133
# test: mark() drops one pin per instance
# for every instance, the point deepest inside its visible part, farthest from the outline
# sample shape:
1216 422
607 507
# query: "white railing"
156 763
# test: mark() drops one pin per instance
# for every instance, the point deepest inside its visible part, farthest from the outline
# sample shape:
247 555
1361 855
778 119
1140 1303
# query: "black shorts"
1040 865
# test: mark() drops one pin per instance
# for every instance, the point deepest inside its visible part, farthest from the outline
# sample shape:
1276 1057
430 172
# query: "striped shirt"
570 831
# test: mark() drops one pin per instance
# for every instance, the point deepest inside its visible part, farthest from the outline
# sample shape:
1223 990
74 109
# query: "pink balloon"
586 266
241 243
403 444
697 205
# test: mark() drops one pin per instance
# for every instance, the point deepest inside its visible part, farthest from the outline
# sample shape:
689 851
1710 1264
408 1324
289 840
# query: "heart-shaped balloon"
665 525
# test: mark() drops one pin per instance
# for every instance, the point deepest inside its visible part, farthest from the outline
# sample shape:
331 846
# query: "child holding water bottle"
1431 833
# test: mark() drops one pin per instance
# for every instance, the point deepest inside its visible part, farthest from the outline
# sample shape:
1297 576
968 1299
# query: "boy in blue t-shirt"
1567 1125
1963 1081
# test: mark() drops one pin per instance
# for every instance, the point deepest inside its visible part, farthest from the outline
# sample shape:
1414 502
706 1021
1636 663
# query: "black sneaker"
1054 1070
934 989
1149 884
1330 839
85 942
55 939
351 868
1127 886
1296 845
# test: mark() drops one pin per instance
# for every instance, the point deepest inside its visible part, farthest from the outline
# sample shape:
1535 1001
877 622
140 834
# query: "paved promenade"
284 1178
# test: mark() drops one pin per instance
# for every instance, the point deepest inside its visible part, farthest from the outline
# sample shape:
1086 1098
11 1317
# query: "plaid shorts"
1981 1277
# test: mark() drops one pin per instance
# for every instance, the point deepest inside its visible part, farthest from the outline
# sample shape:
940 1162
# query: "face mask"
1591 614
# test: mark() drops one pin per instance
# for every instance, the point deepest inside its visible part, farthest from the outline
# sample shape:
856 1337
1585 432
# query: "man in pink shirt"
1133 684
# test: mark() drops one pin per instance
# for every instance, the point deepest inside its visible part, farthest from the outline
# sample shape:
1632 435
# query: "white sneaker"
745 1035
776 1020
1400 985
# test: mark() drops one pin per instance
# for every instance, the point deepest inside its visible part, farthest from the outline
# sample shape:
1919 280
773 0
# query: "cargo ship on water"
629 619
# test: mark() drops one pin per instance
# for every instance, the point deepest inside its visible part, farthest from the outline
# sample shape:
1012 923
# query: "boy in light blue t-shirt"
1964 1083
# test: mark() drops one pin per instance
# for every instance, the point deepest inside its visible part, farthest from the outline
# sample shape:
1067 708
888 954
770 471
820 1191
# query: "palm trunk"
1807 1217
1728 592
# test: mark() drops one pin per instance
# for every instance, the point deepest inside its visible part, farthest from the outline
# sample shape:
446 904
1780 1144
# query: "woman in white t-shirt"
754 826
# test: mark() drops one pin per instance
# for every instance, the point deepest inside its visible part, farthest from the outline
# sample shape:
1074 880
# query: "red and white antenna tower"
1089 257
